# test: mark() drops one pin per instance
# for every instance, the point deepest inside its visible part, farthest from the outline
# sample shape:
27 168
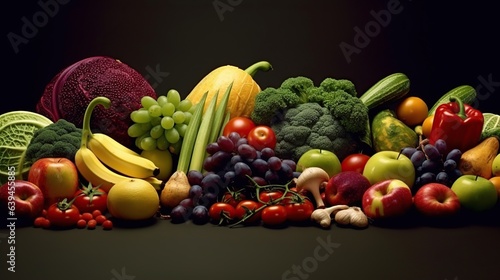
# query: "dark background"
438 45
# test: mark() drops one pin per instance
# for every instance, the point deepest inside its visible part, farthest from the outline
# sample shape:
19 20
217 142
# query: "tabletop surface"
413 247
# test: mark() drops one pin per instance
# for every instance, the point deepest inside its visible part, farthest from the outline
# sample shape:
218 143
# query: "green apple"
324 159
475 193
495 167
385 165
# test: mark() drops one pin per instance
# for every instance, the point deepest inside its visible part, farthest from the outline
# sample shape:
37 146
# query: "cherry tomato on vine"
242 125
233 198
298 209
247 207
221 212
63 214
274 215
270 196
261 137
90 198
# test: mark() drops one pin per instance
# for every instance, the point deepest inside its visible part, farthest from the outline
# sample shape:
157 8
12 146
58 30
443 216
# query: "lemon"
162 159
133 199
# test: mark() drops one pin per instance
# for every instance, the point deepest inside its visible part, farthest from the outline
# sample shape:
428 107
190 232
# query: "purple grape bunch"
433 164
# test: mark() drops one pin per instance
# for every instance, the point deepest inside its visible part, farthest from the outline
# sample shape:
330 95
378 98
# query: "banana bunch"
104 162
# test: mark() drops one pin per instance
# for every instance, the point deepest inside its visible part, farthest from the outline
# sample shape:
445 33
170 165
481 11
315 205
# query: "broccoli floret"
59 139
306 115
333 85
350 111
329 86
270 103
294 138
300 86
329 116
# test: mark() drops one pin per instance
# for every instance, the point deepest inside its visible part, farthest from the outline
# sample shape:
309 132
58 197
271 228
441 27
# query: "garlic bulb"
352 216
322 216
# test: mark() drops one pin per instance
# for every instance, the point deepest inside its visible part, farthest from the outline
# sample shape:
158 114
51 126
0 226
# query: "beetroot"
71 90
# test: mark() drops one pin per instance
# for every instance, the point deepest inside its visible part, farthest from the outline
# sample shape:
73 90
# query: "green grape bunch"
161 123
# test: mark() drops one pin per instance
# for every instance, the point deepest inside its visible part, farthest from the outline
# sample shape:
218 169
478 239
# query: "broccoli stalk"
304 116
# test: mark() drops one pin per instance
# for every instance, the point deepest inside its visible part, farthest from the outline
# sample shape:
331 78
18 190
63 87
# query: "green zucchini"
389 88
466 93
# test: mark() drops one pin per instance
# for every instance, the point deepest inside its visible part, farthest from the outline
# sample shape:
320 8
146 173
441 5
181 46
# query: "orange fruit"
133 199
496 182
427 126
412 111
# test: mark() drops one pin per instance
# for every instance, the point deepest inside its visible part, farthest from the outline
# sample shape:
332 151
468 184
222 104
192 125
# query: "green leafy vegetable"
16 130
304 116
491 126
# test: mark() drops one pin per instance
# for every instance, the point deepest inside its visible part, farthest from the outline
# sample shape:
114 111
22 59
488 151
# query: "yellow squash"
242 97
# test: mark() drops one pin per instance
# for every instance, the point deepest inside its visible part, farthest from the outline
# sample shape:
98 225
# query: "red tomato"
87 216
233 198
81 223
274 215
38 222
100 219
270 196
301 191
63 214
92 224
247 207
89 199
107 225
221 212
298 209
355 162
261 137
242 125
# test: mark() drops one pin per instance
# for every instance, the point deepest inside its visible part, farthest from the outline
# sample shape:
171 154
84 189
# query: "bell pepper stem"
461 107
261 65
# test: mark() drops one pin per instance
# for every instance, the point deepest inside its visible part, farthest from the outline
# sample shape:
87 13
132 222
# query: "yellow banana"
108 141
94 171
97 151
115 156
157 183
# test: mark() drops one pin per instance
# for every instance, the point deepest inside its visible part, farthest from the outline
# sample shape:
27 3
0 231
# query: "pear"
175 190
479 160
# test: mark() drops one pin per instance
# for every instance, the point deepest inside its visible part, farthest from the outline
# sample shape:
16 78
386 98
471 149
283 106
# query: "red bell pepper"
458 124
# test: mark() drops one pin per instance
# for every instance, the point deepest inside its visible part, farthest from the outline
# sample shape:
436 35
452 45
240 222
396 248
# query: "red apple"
387 199
436 200
347 187
56 177
21 199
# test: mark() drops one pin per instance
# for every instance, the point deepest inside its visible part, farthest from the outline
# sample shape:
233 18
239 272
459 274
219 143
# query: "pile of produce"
234 154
